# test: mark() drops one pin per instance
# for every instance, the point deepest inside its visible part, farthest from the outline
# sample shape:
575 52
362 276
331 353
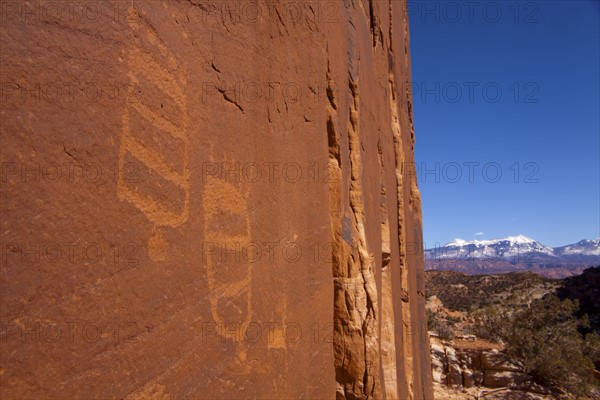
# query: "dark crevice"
230 100
373 23
67 152
331 96
332 138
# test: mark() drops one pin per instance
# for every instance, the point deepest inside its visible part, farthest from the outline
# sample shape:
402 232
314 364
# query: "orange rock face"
209 199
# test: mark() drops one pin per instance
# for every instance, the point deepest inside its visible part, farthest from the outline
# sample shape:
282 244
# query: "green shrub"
445 332
544 336
433 320
436 324
492 323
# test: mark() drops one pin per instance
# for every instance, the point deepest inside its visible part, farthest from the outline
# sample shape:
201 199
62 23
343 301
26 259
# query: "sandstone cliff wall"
209 199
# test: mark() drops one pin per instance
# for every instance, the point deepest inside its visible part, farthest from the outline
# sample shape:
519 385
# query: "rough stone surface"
498 379
209 199
471 366
497 361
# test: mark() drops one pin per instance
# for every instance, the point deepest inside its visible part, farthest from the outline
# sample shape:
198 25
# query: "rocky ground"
471 368
466 366
443 392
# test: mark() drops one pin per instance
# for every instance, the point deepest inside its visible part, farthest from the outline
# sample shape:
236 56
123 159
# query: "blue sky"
506 101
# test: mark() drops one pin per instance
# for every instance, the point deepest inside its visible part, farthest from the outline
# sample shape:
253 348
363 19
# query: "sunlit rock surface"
207 199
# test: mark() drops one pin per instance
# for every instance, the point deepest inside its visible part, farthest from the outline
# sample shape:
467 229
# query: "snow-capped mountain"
519 249
583 247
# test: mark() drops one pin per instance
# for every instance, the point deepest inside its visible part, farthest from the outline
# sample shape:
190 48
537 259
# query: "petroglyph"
158 247
160 69
230 254
229 273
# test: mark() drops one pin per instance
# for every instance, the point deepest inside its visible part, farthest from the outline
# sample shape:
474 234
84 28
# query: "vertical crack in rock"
407 96
407 318
371 378
388 339
391 39
370 14
368 330
341 258
415 196
332 139
356 342
373 23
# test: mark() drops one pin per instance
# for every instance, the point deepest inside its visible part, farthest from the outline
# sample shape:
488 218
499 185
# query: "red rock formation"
209 199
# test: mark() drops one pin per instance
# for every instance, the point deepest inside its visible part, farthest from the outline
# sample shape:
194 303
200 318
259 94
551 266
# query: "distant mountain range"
514 253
